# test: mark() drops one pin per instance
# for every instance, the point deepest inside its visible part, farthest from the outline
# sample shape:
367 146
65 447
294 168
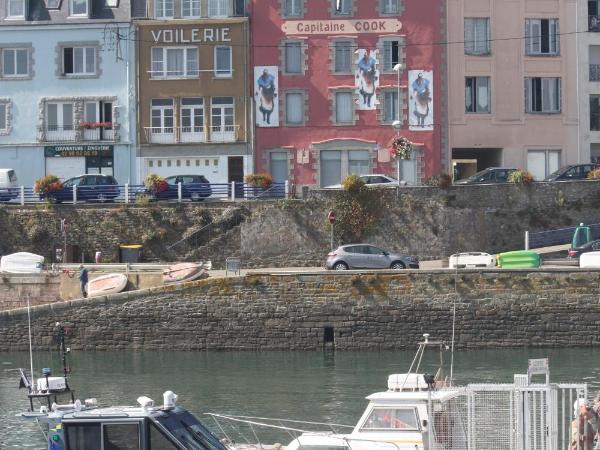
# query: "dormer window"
78 8
16 9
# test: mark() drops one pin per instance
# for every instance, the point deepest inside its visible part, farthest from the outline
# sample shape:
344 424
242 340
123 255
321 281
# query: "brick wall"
15 290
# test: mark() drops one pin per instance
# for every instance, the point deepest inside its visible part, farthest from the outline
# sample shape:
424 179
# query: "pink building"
326 93
512 85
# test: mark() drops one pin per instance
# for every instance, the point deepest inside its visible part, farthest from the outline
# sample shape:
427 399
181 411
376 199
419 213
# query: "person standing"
83 280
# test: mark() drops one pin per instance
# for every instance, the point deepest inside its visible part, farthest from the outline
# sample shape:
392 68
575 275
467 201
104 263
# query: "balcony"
71 133
190 135
594 72
594 23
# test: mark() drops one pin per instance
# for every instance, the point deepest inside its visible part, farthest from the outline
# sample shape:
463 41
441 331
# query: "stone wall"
494 308
429 222
15 290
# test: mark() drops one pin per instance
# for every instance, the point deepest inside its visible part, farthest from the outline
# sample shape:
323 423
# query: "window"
292 8
342 7
190 8
542 37
542 95
84 435
477 94
79 61
593 18
239 8
16 9
293 57
477 36
158 441
223 62
390 106
15 62
3 117
391 54
595 112
53 4
392 418
408 169
59 117
192 116
342 56
78 7
163 9
541 163
174 62
358 162
294 108
278 165
390 6
344 112
218 8
121 435
162 116
222 119
331 167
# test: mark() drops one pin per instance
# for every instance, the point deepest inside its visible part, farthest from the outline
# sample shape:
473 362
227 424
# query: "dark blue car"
193 187
97 187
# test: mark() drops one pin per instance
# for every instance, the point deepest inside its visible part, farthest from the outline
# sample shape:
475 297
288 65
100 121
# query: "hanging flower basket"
94 125
260 180
47 184
401 148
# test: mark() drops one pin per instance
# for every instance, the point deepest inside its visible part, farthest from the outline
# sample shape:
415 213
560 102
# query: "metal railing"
72 133
139 194
176 135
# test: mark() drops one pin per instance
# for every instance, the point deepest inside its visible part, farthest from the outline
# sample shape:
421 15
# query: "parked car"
366 256
193 187
374 179
8 185
489 175
592 246
574 172
96 187
471 259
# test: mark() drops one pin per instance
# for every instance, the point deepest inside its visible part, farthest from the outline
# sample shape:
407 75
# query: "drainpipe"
577 78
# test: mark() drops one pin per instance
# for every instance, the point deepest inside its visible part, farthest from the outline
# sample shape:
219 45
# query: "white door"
65 168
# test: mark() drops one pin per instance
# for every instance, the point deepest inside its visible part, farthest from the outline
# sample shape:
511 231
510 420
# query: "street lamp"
397 124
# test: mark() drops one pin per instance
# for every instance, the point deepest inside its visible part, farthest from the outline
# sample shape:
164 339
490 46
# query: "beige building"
512 85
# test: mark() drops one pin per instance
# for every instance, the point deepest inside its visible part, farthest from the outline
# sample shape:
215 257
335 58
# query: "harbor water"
313 386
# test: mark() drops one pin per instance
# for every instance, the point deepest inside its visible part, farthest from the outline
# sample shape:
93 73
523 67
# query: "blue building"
67 88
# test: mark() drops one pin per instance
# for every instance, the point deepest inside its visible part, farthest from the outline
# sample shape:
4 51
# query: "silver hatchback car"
366 256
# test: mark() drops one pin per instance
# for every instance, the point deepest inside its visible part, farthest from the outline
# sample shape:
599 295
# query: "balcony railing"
72 133
594 72
594 23
176 135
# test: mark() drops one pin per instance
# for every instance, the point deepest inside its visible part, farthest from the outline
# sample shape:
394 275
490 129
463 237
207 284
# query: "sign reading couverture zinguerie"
92 150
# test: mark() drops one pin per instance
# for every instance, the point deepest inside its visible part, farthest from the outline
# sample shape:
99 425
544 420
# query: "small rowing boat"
112 283
179 273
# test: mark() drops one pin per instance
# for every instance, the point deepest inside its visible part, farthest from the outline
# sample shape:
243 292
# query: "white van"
9 188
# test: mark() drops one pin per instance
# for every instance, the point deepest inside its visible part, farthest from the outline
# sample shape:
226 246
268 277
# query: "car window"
596 245
202 179
367 180
170 180
375 250
350 249
72 182
12 177
571 173
362 249
189 180
380 180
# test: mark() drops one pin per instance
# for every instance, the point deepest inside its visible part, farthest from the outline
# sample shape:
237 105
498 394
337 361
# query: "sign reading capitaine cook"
184 35
341 26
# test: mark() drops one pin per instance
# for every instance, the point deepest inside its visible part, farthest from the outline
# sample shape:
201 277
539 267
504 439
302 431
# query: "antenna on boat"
30 345
453 321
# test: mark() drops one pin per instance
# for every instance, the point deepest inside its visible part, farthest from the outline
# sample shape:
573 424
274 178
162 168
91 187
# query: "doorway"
235 172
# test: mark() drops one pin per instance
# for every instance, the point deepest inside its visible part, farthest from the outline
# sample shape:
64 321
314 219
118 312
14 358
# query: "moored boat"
112 283
179 273
22 262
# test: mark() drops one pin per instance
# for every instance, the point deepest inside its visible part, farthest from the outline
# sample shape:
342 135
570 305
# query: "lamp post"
397 124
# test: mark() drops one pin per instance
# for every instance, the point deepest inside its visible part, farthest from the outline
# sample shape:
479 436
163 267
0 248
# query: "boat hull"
183 272
22 262
113 283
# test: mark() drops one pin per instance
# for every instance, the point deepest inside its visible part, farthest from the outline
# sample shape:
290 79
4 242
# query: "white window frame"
348 47
222 134
63 131
164 73
72 11
346 10
293 44
84 61
387 44
295 10
473 92
335 108
191 4
530 99
390 7
4 115
394 105
534 37
166 8
473 45
546 152
218 8
15 50
9 9
302 110
219 73
195 132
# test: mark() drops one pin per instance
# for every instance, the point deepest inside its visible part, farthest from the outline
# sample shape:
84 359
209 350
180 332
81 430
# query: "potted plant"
155 183
259 180
521 177
401 148
46 185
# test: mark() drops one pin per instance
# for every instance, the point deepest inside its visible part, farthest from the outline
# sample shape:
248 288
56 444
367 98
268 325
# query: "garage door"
65 168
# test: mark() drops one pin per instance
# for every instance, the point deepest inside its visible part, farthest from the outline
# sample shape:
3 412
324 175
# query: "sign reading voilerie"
183 35
341 26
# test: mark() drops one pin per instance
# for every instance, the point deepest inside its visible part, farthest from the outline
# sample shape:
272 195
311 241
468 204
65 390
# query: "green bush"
442 180
520 177
261 180
353 184
594 174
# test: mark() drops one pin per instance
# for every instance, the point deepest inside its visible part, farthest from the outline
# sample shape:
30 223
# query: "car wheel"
398 265
340 266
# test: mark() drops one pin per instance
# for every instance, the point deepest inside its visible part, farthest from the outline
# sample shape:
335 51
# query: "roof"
113 412
390 397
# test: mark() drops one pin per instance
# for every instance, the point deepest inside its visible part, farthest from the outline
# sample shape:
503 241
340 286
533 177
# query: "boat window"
159 441
189 431
83 436
121 436
392 419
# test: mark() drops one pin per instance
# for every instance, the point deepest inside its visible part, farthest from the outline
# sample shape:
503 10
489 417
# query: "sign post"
331 218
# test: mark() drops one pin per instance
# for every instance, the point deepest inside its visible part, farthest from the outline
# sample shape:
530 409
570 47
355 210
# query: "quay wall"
15 290
429 222
494 308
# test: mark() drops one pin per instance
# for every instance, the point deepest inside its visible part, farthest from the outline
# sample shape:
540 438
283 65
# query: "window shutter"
387 55
469 36
480 31
556 36
528 90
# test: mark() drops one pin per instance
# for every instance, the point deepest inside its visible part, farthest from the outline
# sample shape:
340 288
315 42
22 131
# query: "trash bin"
130 253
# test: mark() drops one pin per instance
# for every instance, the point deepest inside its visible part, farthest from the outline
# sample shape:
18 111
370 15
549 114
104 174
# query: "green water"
315 386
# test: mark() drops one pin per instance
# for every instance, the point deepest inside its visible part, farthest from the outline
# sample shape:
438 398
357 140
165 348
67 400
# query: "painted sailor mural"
420 105
367 79
267 109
